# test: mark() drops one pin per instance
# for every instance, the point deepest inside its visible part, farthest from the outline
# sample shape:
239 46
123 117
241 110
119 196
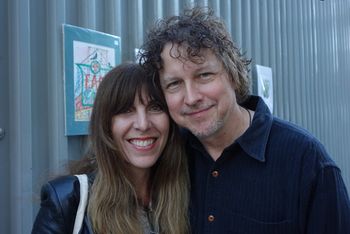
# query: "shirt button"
211 218
215 173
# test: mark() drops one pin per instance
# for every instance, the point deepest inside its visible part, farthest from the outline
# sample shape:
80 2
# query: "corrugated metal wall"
305 42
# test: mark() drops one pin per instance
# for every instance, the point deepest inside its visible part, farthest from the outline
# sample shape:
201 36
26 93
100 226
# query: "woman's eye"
128 110
155 108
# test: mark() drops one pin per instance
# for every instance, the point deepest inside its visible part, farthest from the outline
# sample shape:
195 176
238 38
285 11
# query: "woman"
139 183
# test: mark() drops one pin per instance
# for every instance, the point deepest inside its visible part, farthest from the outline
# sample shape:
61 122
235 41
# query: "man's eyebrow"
168 78
204 67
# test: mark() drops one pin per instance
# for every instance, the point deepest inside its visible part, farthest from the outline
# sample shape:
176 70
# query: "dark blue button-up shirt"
275 178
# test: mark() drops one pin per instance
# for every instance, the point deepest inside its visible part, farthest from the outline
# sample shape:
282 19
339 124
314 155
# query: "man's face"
200 96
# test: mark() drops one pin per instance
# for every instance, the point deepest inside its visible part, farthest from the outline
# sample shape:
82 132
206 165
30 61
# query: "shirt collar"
254 140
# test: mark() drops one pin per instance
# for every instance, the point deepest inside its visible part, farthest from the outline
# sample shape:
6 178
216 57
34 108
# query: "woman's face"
141 132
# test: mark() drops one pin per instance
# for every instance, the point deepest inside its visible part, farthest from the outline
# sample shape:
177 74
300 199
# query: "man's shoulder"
297 138
287 127
288 130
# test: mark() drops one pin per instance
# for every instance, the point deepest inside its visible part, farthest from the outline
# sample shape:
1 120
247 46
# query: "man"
250 172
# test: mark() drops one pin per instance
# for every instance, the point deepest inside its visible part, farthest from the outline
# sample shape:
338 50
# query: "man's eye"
173 85
205 75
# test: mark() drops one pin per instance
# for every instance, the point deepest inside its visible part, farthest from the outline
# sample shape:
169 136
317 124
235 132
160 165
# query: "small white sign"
265 85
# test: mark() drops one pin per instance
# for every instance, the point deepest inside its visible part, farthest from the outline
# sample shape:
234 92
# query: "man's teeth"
142 143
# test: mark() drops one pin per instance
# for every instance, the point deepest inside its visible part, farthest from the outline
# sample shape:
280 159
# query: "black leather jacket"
58 208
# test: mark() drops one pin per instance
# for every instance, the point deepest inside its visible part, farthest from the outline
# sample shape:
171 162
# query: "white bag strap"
83 180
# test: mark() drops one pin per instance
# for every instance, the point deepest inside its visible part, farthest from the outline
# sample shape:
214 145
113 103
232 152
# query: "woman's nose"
142 122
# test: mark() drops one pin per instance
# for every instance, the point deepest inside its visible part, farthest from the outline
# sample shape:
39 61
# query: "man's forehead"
185 52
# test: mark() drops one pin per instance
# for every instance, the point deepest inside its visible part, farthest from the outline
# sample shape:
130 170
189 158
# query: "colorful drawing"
90 66
88 56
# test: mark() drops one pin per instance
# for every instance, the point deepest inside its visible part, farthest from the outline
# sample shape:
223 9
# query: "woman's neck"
141 181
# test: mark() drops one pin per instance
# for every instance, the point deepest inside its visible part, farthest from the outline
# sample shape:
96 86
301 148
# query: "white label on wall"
265 85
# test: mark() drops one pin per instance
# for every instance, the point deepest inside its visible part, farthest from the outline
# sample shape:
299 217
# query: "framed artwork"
264 84
88 56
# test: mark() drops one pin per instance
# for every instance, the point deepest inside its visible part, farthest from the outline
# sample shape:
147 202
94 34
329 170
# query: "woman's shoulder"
59 202
63 181
62 186
64 191
66 188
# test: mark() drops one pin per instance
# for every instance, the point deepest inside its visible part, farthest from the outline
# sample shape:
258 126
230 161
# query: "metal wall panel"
306 43
4 123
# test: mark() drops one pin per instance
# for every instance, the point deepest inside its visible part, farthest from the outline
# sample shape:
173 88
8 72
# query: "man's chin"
201 134
206 132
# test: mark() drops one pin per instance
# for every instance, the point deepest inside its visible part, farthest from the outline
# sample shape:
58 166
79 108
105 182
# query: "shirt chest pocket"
240 224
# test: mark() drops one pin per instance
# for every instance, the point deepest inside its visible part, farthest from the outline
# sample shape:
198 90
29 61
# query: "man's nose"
192 94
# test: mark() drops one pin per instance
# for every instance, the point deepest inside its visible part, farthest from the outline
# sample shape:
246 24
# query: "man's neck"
233 129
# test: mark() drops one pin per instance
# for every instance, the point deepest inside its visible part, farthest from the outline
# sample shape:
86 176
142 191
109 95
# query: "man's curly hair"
196 29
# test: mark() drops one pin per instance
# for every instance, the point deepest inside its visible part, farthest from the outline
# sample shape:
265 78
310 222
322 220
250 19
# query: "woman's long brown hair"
113 205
